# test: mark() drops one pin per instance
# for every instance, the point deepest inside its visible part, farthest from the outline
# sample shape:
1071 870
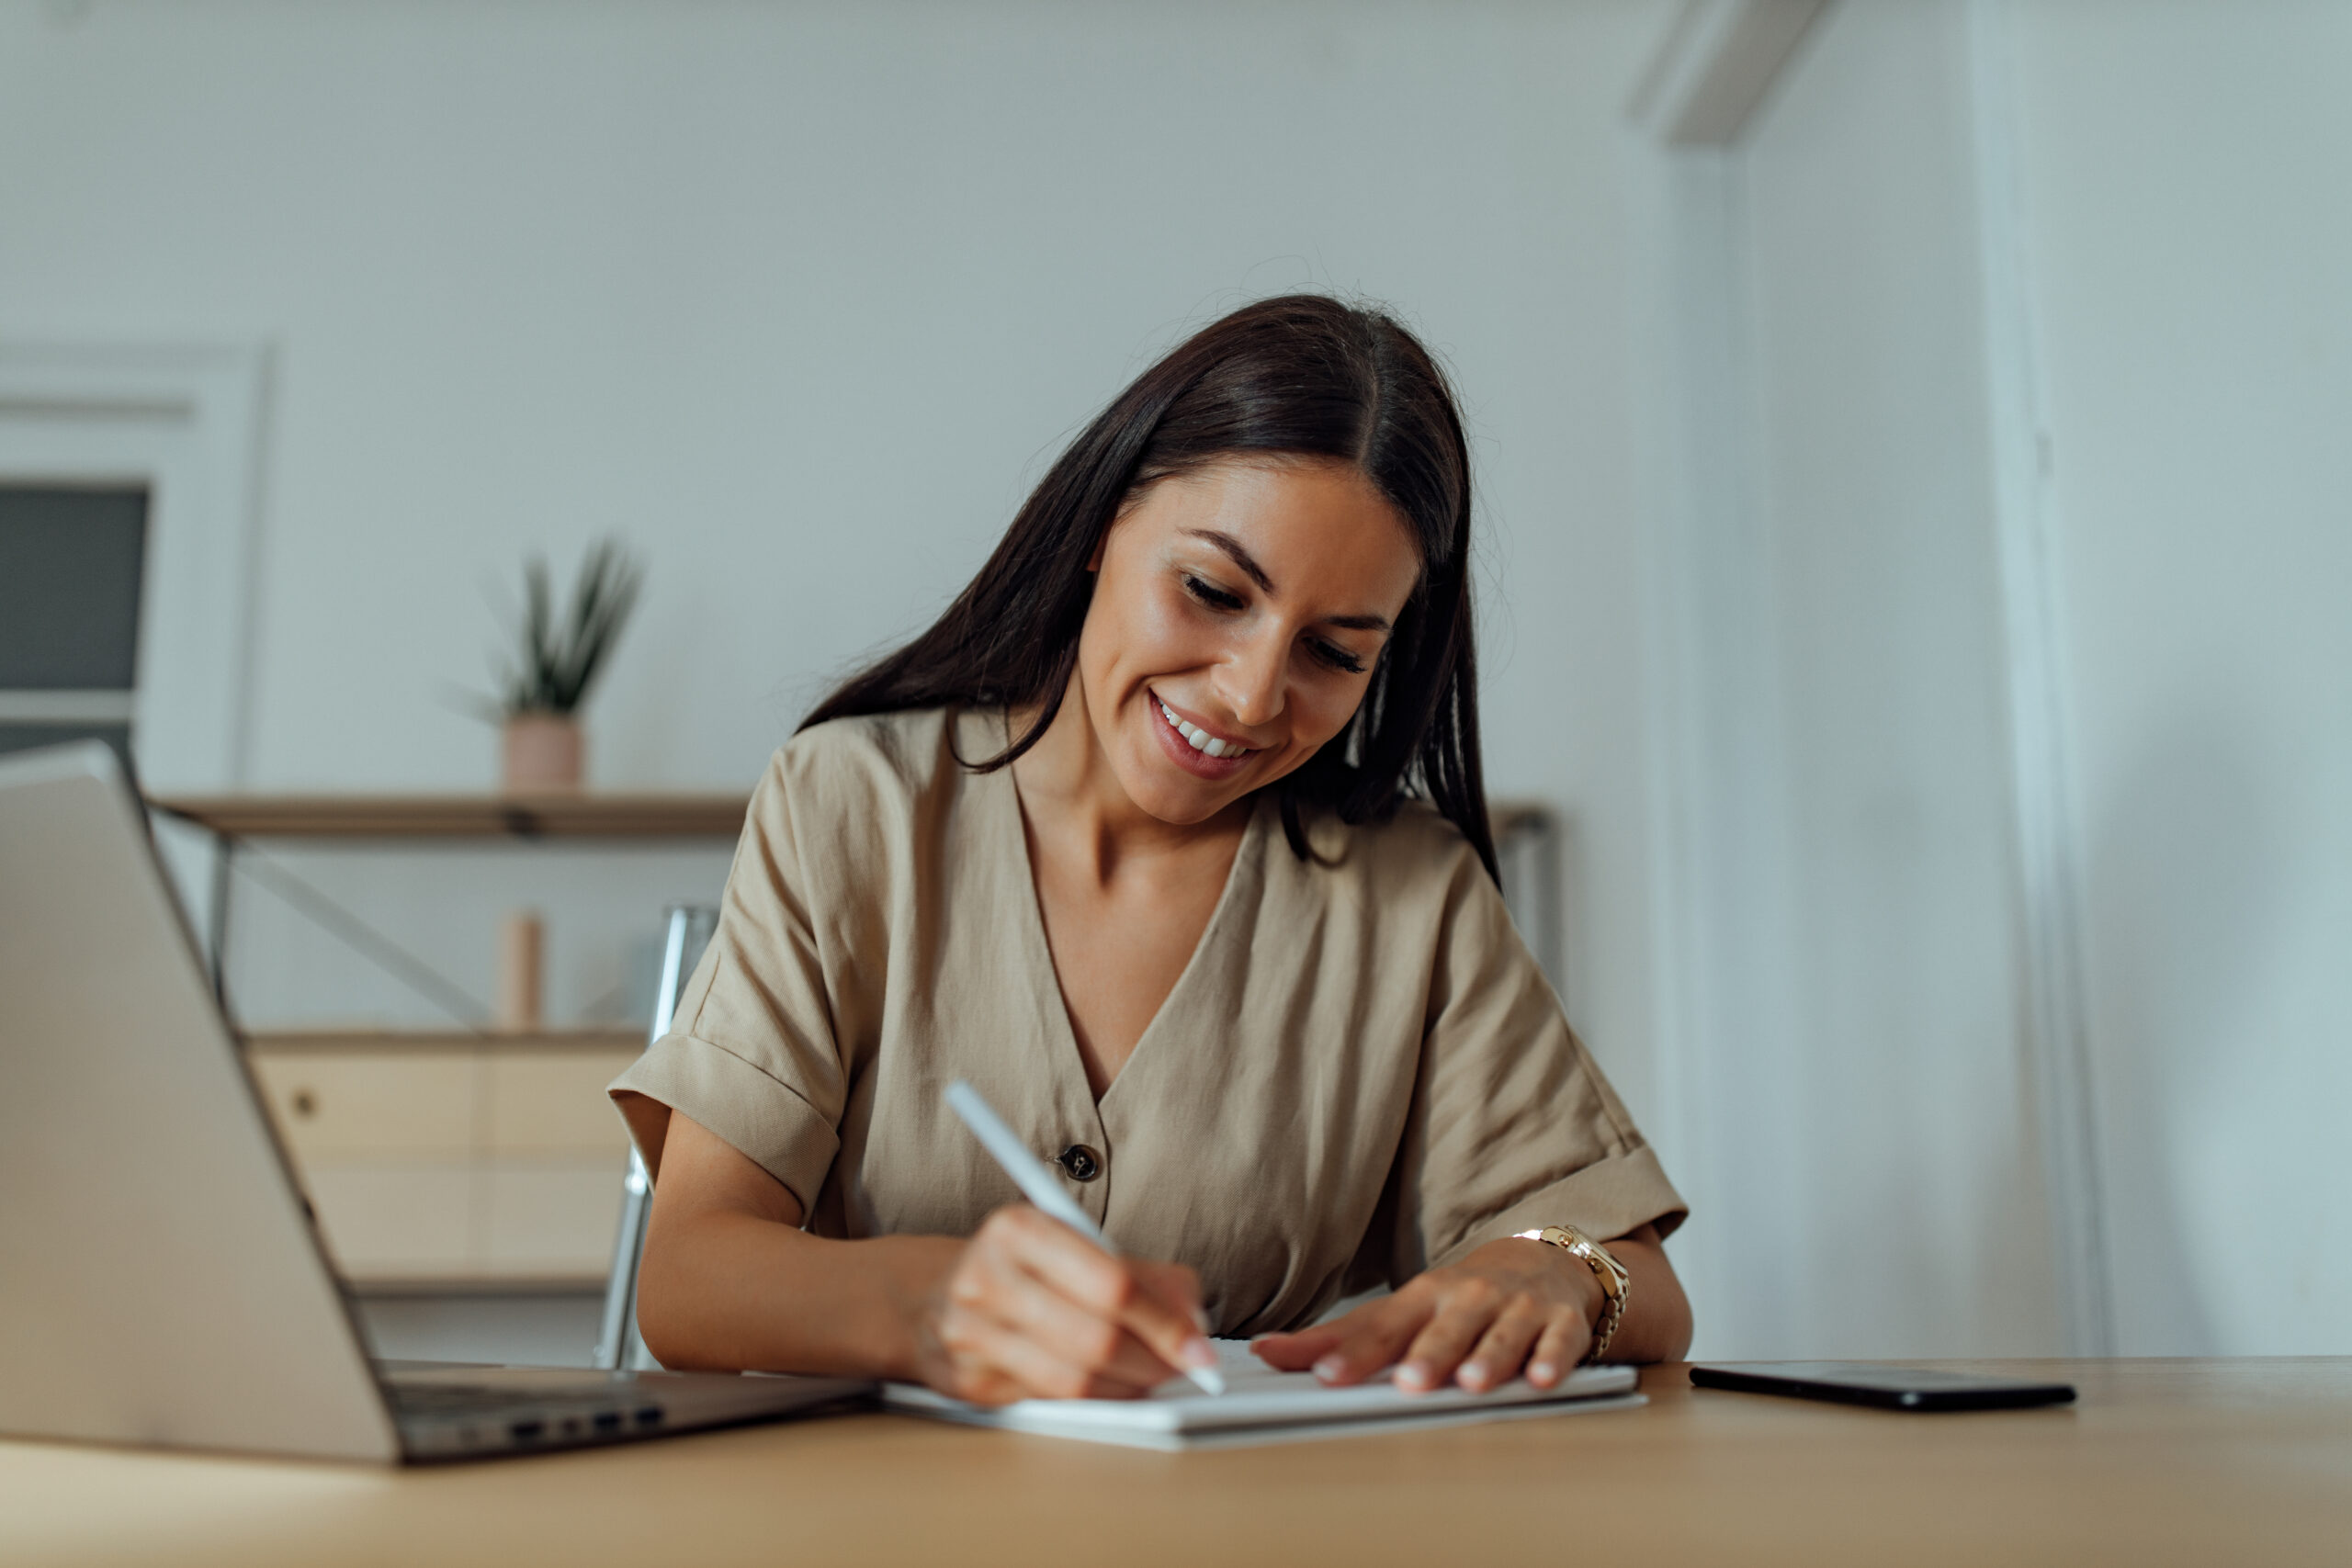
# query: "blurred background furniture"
452 1159
464 1179
390 820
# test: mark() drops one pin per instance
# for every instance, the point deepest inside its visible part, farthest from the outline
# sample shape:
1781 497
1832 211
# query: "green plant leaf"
561 654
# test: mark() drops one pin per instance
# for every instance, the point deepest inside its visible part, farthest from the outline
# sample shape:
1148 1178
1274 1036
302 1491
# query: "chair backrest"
687 929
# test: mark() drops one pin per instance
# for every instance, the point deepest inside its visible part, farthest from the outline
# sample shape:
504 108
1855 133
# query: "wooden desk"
2161 1462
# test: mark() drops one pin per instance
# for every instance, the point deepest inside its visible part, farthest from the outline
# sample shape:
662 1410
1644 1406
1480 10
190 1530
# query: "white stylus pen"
1037 1185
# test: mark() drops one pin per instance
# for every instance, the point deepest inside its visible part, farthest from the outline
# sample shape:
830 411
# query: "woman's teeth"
1200 740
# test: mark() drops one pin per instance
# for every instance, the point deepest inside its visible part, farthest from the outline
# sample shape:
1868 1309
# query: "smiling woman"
1184 605
1037 847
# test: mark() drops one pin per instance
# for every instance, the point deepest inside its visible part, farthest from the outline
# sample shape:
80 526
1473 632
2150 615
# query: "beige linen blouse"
1361 1072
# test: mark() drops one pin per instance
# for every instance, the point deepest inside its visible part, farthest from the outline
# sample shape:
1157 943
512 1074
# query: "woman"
1169 836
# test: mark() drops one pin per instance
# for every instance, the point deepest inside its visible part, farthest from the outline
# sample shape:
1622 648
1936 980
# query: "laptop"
161 1276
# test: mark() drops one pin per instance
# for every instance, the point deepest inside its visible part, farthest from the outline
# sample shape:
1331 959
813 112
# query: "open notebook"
1262 1405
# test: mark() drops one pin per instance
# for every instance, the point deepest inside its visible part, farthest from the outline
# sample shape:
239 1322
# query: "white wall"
1864 1101
2110 240
2189 192
801 297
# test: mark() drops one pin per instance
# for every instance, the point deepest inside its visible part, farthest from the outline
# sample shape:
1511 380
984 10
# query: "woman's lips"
1183 754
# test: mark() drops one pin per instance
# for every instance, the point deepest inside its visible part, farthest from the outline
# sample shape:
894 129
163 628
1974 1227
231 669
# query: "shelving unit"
232 819
582 816
457 1159
460 1160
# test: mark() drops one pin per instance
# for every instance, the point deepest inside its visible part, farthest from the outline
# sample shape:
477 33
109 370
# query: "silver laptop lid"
159 1279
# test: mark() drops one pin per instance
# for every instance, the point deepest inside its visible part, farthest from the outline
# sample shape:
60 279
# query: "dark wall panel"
71 564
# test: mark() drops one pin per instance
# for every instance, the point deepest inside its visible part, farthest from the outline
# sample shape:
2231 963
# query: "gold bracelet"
1616 1285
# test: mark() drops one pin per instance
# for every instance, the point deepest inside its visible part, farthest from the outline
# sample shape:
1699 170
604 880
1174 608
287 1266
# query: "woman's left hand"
1510 1306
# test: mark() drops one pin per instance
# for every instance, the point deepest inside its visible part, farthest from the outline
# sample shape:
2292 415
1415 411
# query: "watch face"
1615 1278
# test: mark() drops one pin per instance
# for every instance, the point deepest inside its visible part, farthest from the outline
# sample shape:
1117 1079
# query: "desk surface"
2162 1461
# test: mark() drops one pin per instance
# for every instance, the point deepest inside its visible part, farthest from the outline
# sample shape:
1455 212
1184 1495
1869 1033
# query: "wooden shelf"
529 817
427 1041
589 816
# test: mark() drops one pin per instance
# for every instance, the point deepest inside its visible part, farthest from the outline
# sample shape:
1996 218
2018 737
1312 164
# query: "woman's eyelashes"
1337 657
1210 594
1327 653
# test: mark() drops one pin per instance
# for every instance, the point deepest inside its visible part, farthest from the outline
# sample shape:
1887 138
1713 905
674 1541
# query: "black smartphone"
1889 1388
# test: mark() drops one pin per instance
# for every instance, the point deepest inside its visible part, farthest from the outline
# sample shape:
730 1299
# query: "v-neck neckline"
1046 976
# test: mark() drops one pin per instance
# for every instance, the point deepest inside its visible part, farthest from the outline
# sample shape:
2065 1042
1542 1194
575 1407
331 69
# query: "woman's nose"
1251 680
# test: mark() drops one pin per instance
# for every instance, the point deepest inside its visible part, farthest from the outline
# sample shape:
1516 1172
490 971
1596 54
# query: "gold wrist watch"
1616 1285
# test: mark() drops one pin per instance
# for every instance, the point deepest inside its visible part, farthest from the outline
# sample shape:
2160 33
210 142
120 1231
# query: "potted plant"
542 748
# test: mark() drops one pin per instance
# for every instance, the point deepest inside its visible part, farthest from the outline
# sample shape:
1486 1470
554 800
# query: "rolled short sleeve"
1512 1125
754 1055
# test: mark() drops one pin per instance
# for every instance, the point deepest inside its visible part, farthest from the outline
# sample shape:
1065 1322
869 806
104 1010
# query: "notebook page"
1260 1399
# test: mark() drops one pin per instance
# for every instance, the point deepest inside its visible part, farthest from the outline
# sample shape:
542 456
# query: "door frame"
188 423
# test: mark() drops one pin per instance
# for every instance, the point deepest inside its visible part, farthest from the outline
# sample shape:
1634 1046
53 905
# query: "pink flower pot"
542 754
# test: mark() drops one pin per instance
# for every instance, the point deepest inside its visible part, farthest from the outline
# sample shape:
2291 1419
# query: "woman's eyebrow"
1358 623
1257 574
1241 558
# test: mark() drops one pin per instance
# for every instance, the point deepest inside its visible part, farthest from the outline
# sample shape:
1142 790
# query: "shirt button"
1080 1163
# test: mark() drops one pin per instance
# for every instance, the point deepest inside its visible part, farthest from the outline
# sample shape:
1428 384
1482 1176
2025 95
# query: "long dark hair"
1300 376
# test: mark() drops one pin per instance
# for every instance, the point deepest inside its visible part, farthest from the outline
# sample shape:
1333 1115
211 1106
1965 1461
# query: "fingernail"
1330 1366
1474 1378
1412 1374
1198 1353
1542 1372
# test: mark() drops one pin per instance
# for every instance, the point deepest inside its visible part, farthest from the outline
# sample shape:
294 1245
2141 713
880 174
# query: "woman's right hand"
1033 1311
